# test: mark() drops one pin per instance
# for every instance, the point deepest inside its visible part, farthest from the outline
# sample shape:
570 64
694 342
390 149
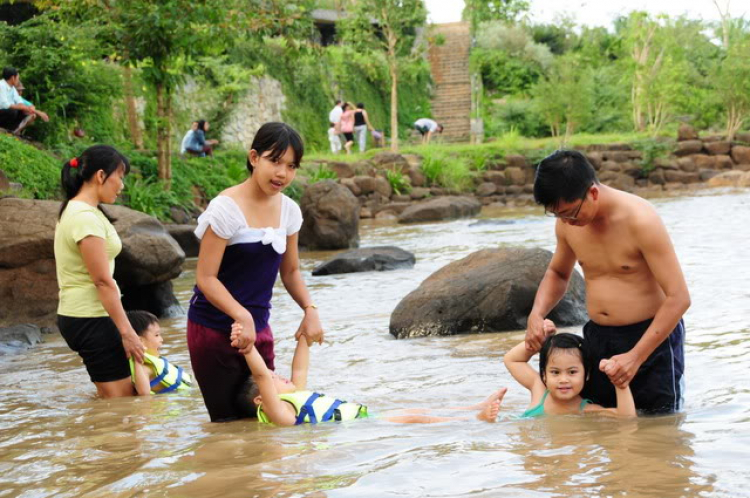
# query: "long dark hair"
276 138
93 159
202 125
563 341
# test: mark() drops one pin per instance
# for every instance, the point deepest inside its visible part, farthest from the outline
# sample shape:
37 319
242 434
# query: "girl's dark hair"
93 159
345 106
141 320
276 138
360 105
563 175
563 341
245 400
202 125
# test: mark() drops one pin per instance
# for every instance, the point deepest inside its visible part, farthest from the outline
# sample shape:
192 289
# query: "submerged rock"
442 208
19 338
488 291
384 258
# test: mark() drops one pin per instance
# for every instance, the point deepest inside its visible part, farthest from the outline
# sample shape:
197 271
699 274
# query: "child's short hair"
141 320
245 400
563 341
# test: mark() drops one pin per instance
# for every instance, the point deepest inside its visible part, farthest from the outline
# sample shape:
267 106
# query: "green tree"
479 11
733 85
389 27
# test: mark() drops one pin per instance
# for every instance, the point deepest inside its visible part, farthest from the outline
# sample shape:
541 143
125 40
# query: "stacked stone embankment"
690 162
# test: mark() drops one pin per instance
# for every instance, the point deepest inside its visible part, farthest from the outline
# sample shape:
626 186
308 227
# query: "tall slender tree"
389 26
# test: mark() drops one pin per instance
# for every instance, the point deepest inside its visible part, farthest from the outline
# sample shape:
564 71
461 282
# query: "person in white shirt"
427 127
15 113
334 119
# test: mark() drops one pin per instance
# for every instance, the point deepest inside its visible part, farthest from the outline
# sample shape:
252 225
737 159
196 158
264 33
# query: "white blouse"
227 221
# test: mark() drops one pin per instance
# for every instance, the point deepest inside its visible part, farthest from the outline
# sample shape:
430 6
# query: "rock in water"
331 217
488 291
382 258
442 208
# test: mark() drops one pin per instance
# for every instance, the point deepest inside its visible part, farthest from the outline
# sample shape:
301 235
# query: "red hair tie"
74 162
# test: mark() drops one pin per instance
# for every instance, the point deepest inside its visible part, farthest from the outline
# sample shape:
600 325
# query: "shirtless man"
635 291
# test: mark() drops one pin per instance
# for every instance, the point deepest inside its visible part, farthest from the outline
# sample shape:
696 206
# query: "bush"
446 171
398 181
38 172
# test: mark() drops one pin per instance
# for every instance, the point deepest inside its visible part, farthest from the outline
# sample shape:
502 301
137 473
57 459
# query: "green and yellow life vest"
170 377
312 408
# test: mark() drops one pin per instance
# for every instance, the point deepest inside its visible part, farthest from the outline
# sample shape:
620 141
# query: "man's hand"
537 331
310 327
243 336
621 368
133 346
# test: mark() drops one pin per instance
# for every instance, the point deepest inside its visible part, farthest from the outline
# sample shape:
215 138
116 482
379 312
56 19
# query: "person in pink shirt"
347 126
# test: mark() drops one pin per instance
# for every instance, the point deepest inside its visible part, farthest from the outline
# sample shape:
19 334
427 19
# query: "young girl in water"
280 401
248 236
563 370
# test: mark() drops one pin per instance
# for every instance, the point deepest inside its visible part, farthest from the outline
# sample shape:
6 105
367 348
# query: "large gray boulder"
331 217
150 258
382 258
488 291
186 238
442 208
19 338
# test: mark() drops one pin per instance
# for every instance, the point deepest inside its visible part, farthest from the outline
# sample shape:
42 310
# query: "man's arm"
551 289
653 240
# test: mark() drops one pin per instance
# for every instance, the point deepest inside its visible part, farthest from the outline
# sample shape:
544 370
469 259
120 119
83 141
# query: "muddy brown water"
56 439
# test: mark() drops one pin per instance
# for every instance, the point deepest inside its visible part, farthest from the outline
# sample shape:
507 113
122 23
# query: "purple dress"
248 270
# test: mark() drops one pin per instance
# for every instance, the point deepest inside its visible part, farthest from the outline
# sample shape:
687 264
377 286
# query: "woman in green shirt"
90 314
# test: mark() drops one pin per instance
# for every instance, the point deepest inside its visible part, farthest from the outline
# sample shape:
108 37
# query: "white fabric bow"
275 238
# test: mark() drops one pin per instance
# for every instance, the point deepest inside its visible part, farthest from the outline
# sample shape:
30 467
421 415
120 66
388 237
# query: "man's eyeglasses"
566 217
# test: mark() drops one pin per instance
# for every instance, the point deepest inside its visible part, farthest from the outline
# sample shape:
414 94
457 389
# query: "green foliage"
517 115
322 172
479 11
38 172
398 181
63 74
652 149
445 170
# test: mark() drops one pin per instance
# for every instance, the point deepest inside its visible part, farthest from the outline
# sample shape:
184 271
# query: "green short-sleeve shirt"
78 296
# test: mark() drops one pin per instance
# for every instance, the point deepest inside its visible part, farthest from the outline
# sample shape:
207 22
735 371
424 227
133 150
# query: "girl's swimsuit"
312 408
538 410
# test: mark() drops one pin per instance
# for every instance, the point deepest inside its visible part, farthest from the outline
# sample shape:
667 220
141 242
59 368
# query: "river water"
56 439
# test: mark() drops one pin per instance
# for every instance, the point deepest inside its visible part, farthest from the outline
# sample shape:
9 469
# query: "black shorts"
98 342
422 129
658 386
349 136
11 118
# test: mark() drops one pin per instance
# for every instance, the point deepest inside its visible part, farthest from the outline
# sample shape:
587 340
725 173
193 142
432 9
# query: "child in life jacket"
156 375
286 402
563 370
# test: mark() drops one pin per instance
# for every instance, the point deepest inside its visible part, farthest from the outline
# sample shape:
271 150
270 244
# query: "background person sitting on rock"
188 137
197 145
249 236
427 127
16 113
90 314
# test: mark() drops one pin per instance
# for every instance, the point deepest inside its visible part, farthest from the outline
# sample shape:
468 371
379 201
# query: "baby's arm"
517 362
273 406
142 380
300 363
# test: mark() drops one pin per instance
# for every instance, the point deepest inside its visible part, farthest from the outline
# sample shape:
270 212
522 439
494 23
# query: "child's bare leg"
480 406
491 406
488 410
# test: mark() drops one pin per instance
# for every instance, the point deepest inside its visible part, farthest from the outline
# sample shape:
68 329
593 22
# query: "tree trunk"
135 131
735 119
394 107
163 111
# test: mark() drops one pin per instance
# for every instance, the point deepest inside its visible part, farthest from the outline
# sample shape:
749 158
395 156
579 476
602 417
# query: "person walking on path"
635 290
90 314
347 126
361 125
249 236
334 120
16 113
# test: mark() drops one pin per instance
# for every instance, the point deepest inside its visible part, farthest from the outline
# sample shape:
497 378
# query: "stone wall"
509 180
264 101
